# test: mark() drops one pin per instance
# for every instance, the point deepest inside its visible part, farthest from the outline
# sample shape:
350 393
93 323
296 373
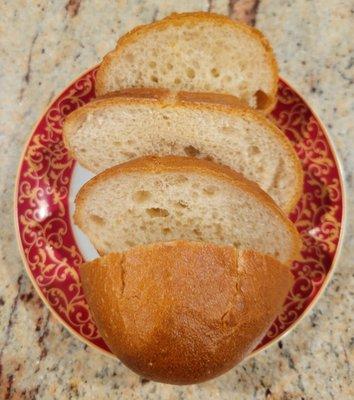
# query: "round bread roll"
184 312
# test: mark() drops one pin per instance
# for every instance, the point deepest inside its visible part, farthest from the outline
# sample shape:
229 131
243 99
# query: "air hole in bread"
141 196
177 81
82 150
243 65
191 151
169 66
154 78
143 228
96 219
227 129
218 229
129 57
190 73
157 212
210 190
262 100
128 154
215 72
107 244
129 243
188 36
166 231
116 143
152 64
182 204
197 232
165 117
253 150
236 244
181 179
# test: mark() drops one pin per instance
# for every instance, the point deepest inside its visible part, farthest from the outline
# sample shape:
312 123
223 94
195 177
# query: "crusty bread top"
161 98
154 165
192 19
184 312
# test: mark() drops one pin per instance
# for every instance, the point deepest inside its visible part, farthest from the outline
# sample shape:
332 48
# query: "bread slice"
154 199
140 122
183 312
197 52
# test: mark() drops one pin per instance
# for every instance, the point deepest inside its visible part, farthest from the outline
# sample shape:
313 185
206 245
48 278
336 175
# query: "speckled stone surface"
43 46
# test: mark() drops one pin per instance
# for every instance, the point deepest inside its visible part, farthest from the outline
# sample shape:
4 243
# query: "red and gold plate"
53 248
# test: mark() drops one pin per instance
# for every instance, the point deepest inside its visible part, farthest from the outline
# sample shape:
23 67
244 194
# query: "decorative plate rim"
309 307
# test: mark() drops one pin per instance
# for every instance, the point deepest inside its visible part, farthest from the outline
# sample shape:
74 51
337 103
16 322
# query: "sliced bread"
141 122
154 199
184 312
197 52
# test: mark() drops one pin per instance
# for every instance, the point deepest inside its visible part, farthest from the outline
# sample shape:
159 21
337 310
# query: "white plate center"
79 177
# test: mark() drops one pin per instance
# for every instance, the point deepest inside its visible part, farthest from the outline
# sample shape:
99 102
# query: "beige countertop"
46 44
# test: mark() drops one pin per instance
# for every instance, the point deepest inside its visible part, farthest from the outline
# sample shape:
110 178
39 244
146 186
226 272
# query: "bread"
158 199
184 312
140 122
197 52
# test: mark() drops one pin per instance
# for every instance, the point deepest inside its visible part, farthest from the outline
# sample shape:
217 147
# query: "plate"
52 247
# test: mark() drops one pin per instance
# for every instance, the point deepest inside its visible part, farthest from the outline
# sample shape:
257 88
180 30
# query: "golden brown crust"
190 18
184 312
203 101
153 164
137 93
223 100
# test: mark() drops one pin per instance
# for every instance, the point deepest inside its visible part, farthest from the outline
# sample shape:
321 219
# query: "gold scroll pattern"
49 247
318 214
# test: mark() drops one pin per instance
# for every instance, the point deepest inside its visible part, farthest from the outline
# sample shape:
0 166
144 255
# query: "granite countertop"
44 45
